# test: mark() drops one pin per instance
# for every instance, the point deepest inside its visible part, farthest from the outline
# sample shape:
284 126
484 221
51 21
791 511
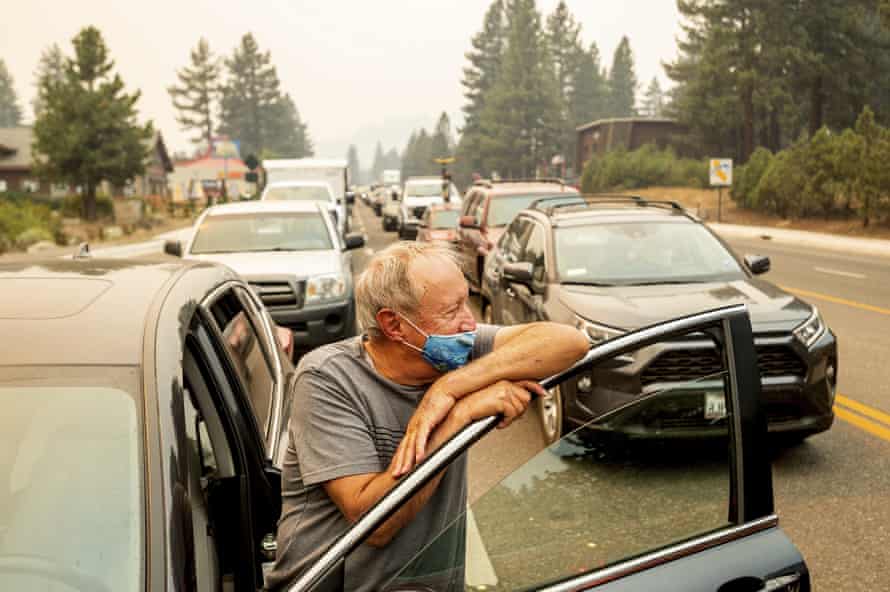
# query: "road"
832 490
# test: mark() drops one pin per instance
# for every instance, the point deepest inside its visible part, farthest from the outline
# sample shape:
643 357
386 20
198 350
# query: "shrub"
32 236
72 206
748 176
17 216
645 167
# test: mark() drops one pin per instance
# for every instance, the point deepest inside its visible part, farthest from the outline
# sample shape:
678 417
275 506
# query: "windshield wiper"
667 283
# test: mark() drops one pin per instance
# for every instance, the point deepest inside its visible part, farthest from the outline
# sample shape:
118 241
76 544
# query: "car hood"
294 263
632 307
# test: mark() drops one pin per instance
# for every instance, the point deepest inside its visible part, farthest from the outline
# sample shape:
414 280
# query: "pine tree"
653 100
392 160
288 136
377 165
566 53
10 112
50 71
590 95
196 96
442 142
520 122
355 169
622 82
86 131
249 97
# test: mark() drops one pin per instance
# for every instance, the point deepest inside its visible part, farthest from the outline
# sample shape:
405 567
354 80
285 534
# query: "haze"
358 71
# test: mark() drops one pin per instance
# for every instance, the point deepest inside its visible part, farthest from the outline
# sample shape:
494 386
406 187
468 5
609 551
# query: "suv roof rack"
582 202
490 182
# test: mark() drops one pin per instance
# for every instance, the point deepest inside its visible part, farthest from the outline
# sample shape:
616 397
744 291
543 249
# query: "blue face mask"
444 352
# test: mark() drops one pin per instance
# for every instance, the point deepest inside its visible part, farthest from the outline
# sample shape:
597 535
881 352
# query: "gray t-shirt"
347 419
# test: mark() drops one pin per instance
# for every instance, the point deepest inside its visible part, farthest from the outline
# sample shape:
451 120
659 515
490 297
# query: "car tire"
551 415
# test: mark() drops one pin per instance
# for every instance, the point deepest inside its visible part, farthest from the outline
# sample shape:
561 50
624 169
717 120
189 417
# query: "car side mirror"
354 241
350 197
173 247
520 272
468 222
758 264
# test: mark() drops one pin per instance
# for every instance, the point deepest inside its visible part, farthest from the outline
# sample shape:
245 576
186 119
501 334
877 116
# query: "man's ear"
390 324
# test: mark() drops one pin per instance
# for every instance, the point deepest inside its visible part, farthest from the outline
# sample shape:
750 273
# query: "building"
202 178
16 162
157 165
599 137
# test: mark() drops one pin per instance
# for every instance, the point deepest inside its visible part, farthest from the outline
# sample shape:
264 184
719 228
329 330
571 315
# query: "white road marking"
848 274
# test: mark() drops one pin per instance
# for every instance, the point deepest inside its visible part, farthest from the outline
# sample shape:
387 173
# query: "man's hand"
504 397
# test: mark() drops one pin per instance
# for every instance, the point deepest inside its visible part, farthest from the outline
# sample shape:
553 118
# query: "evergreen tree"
566 53
50 71
249 109
377 165
196 96
355 169
653 101
520 121
622 82
590 95
86 130
10 112
442 142
288 136
392 160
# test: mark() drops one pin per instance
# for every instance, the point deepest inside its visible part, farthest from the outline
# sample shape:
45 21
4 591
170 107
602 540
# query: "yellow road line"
872 413
862 423
836 300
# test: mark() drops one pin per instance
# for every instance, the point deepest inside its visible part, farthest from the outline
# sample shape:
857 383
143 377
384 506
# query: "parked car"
318 191
420 193
613 264
144 406
292 256
439 223
150 429
487 209
390 209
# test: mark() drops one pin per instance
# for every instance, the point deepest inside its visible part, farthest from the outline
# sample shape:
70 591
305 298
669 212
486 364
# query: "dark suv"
488 207
613 264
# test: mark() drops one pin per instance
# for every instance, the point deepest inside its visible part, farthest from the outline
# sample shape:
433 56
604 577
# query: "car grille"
418 212
683 365
279 293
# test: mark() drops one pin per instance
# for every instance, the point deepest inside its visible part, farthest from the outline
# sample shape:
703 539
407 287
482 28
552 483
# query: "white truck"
392 177
333 171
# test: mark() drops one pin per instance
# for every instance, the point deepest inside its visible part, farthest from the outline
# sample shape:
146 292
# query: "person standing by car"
367 409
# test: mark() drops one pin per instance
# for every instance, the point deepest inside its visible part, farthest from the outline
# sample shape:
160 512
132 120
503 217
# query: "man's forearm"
384 482
536 351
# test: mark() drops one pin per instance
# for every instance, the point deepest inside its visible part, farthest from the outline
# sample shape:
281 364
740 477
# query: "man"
367 409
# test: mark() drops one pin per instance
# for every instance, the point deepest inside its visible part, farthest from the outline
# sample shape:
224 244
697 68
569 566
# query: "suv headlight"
325 288
811 330
595 332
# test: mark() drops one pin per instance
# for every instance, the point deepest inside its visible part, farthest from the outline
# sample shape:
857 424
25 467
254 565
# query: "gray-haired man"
367 409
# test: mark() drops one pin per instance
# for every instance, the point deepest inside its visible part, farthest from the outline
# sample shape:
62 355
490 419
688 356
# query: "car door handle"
786 583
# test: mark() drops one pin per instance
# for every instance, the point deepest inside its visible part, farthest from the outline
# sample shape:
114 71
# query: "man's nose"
468 321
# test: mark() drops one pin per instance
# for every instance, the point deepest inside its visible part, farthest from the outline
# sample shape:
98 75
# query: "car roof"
508 189
423 180
289 163
83 311
264 207
298 183
609 209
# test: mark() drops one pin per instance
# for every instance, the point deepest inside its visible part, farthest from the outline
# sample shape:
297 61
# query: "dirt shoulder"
704 201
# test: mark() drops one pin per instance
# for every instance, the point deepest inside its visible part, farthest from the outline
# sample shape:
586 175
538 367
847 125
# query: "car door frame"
528 300
751 509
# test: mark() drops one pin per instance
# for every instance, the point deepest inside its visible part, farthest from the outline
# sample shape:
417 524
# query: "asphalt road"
831 491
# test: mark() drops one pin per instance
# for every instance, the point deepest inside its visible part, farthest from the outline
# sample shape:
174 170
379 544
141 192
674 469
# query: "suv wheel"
550 412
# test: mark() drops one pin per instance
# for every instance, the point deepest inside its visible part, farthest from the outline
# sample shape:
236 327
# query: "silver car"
294 258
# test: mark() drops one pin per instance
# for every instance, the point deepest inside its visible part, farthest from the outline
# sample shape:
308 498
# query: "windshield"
261 232
642 253
432 189
298 193
71 509
444 219
502 209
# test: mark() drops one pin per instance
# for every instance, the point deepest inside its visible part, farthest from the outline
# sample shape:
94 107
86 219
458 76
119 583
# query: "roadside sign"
721 172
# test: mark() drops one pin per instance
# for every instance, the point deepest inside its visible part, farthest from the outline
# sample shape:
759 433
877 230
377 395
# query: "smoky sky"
358 71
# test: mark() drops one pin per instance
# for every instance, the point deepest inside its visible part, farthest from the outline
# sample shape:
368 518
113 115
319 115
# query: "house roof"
600 122
156 142
15 148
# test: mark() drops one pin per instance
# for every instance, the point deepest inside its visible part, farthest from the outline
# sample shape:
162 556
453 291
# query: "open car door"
626 502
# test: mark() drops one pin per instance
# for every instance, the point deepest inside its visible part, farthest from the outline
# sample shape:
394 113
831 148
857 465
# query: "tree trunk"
89 202
775 131
817 105
748 121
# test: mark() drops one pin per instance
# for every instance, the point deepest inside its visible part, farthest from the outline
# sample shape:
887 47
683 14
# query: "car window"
504 208
298 193
534 252
514 239
597 497
244 342
444 219
71 480
642 252
259 232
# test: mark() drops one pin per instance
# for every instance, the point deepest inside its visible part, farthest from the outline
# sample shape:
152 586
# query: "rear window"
262 232
503 209
70 487
444 219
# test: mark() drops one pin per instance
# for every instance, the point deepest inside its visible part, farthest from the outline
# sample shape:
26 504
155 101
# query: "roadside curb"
803 238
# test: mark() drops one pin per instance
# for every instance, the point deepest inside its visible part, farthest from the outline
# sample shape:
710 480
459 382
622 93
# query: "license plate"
715 406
